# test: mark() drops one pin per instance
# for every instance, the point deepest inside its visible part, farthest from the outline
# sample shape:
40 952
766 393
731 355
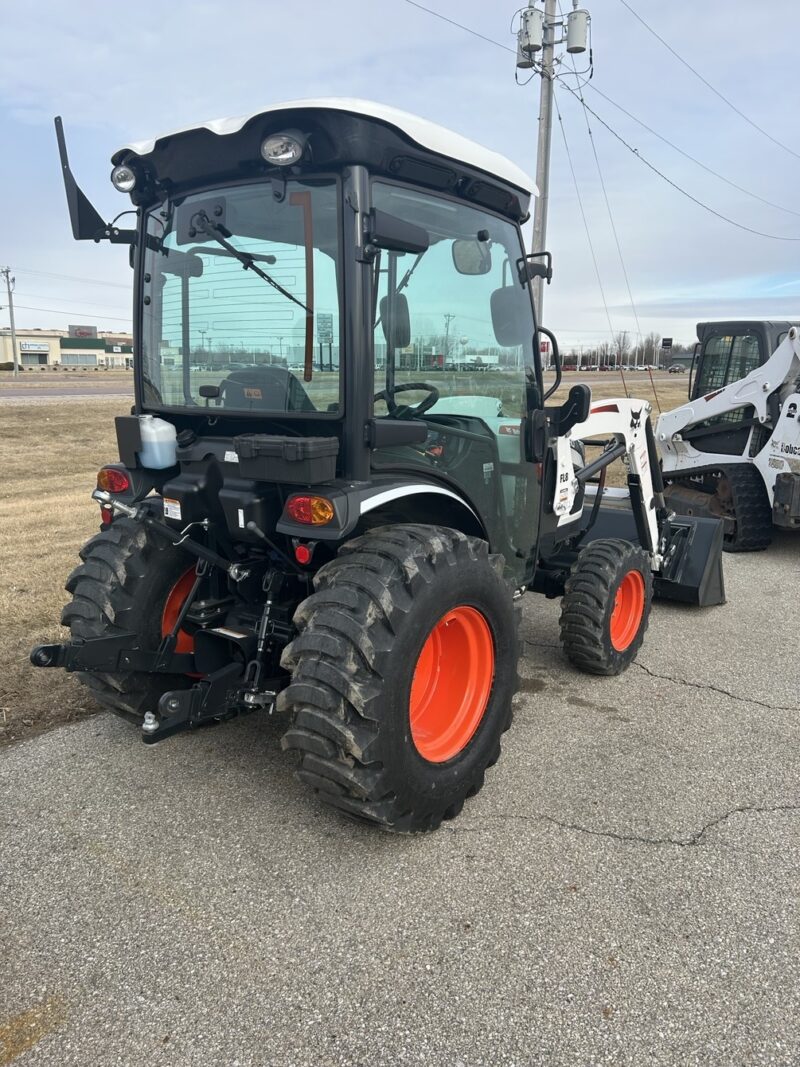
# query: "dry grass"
50 451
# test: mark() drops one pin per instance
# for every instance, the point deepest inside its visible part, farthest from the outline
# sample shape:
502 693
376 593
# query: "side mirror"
510 322
397 325
396 235
528 268
472 257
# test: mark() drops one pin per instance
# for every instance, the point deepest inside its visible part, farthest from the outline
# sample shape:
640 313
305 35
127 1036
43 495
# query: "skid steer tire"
606 606
402 675
745 495
122 586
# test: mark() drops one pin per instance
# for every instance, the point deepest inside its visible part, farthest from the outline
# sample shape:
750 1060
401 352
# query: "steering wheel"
408 411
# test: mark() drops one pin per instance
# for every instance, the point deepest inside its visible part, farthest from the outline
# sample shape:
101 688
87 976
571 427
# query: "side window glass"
744 357
715 363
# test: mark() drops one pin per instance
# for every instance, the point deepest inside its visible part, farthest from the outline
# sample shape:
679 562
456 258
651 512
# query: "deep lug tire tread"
111 595
752 511
588 602
343 655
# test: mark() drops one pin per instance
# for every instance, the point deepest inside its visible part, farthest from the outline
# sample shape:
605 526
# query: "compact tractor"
733 452
341 473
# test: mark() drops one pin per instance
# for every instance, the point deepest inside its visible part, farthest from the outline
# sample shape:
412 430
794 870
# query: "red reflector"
111 480
302 554
310 510
106 515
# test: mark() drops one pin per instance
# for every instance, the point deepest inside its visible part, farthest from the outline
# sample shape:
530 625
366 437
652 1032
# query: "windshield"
241 299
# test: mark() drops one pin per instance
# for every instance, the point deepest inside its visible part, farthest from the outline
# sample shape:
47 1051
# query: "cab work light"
283 149
310 510
123 178
112 480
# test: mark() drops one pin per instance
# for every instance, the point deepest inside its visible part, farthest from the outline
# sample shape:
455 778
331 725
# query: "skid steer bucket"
692 572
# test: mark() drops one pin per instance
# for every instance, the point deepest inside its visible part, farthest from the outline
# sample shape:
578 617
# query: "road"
625 890
80 391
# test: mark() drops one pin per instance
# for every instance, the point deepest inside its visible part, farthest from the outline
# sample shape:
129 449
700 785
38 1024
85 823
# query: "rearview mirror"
472 257
511 316
397 325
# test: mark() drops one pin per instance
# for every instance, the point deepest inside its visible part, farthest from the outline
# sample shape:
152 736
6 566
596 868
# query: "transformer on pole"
536 50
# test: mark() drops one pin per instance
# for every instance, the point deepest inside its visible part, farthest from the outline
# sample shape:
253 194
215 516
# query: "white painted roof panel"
427 134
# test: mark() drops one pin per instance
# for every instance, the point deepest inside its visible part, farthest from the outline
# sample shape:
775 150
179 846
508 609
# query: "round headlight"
123 178
283 149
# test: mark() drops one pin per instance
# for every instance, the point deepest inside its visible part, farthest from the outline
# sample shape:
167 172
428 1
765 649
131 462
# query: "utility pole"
537 33
543 147
447 320
9 289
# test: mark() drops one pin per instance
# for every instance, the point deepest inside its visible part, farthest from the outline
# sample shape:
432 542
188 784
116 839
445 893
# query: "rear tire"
606 607
745 496
122 586
364 666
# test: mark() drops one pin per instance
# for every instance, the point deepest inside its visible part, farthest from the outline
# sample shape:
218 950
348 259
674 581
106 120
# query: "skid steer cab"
733 452
342 472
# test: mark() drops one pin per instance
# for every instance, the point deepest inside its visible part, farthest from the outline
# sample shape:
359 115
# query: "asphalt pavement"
625 890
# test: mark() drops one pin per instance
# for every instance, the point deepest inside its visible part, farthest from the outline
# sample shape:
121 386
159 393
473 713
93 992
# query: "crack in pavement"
638 839
713 689
685 681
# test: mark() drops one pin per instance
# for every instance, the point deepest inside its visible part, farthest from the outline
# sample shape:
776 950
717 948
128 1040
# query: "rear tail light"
112 480
310 510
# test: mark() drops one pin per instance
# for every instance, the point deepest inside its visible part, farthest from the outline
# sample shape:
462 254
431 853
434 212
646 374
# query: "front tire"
402 675
606 606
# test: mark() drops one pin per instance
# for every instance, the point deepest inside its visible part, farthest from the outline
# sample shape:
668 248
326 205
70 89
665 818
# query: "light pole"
537 33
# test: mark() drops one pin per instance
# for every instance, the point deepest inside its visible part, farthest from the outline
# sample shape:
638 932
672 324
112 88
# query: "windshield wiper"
219 233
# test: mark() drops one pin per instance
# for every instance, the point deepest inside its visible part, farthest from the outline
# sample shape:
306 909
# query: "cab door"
454 351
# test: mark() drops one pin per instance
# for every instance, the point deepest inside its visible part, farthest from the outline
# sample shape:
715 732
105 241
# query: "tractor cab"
354 277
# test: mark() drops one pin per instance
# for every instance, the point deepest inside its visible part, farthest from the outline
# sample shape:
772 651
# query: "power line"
70 277
46 296
686 155
620 138
67 311
585 220
707 83
669 181
461 26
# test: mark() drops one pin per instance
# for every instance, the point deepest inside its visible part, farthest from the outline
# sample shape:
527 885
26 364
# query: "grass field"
50 451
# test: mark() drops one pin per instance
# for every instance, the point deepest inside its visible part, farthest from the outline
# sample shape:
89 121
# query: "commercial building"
80 346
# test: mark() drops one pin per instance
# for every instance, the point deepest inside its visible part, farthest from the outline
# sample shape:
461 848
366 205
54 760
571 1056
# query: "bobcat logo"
791 411
636 419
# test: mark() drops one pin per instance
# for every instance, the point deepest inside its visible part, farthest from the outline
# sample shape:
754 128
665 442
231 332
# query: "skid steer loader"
320 508
733 451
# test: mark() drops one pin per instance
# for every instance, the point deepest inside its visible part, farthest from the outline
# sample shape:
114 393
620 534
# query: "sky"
118 73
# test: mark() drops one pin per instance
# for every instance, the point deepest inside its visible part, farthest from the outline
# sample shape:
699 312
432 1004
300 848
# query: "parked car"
677 368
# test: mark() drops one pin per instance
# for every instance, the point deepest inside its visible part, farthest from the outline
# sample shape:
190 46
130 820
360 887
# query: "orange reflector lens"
111 480
310 510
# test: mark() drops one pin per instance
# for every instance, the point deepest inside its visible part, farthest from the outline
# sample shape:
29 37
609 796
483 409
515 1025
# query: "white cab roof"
427 134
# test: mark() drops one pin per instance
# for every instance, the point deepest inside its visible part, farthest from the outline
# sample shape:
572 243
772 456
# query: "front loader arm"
624 421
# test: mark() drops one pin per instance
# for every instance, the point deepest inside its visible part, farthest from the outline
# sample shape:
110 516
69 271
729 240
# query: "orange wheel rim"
176 598
626 618
451 685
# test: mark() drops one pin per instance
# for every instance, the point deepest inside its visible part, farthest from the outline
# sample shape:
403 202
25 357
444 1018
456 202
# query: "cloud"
117 78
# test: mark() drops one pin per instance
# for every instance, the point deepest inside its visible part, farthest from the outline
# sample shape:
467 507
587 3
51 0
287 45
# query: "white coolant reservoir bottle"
158 443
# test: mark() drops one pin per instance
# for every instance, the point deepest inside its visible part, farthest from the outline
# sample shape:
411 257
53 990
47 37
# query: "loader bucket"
692 573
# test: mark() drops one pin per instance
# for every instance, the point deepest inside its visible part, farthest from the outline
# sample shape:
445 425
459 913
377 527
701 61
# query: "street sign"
666 343
325 328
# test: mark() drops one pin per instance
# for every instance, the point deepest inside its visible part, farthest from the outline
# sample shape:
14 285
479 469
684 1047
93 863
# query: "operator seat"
264 388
